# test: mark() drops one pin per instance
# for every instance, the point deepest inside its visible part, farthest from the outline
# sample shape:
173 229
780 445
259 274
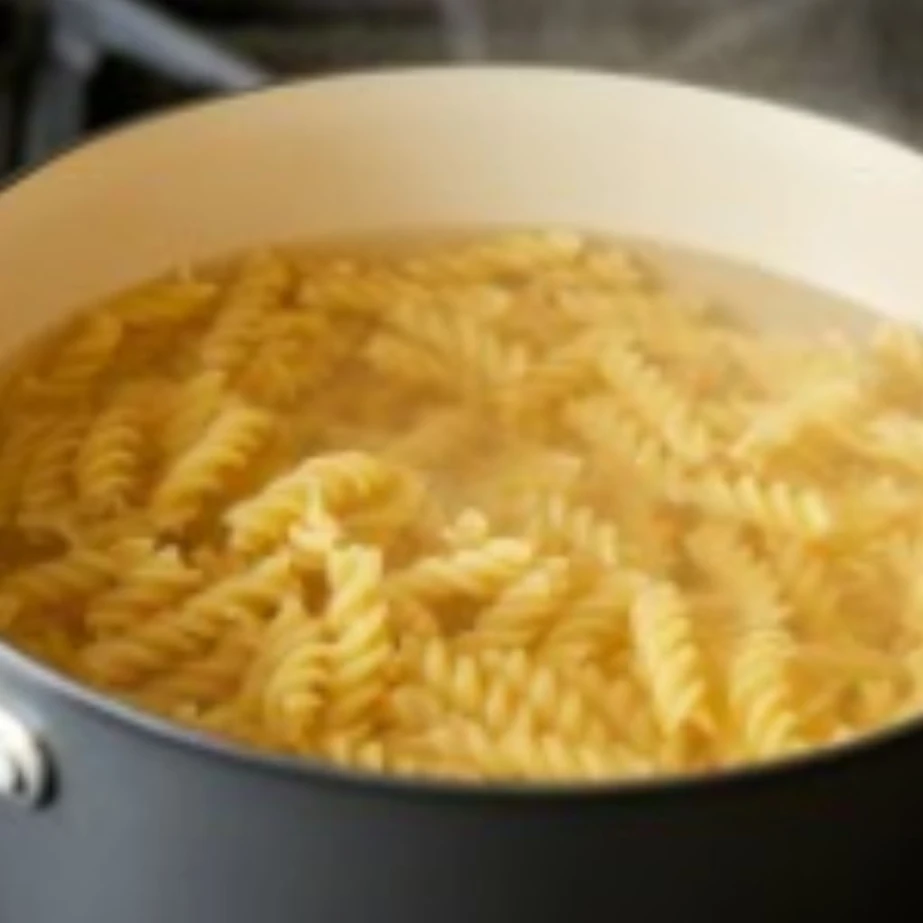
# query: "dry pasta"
512 507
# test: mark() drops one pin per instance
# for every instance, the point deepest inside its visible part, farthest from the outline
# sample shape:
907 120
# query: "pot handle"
24 766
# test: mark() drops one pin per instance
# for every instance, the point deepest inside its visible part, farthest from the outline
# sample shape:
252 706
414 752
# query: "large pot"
137 821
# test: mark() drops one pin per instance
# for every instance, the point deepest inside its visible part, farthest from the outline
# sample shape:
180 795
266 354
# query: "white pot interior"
453 148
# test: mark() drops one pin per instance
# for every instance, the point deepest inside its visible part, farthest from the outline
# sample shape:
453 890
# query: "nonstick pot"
111 816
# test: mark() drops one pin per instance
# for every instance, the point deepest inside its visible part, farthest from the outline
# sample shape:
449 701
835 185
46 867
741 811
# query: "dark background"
859 59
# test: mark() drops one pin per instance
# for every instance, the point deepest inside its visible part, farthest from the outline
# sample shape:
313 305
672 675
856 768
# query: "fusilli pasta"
511 507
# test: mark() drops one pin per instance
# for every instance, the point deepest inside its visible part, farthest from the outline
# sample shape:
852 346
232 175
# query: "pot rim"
819 760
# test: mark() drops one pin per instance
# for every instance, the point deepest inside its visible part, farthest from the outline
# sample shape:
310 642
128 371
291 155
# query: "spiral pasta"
288 360
109 462
513 507
195 404
562 373
662 408
522 612
474 356
47 491
339 479
17 451
291 677
75 575
736 571
499 690
241 318
594 621
520 753
670 659
226 449
776 506
477 572
155 582
761 692
172 637
560 526
362 643
82 357
207 681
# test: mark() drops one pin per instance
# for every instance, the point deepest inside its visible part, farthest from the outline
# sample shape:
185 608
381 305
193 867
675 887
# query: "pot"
112 816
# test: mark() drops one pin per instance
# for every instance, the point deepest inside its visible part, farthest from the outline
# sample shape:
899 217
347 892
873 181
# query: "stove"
72 67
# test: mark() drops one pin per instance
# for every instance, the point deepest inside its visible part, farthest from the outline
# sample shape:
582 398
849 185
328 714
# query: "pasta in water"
503 508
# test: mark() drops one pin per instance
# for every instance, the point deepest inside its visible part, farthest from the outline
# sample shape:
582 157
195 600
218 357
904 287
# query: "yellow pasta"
361 636
166 304
560 526
17 452
340 479
513 507
520 753
670 659
47 491
289 359
208 680
499 692
477 572
593 622
646 392
562 373
761 692
156 581
109 462
227 448
474 358
523 611
290 678
735 571
241 318
85 353
195 403
75 575
776 506
173 636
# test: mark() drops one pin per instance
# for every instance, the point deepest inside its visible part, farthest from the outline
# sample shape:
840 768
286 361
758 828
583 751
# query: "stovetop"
71 67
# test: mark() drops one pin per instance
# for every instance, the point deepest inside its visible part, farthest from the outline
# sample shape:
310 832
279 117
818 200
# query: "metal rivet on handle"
23 764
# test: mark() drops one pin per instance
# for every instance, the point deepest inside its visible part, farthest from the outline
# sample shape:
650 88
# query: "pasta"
47 490
227 448
239 326
644 389
761 692
512 507
479 572
155 582
289 681
89 347
339 479
195 404
669 658
521 613
109 461
361 640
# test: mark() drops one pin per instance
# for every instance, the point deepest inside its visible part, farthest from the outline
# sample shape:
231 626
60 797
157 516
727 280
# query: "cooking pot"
113 816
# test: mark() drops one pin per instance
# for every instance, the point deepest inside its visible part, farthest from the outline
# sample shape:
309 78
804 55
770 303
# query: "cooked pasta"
522 612
669 658
289 680
88 348
227 448
155 582
109 462
515 507
47 492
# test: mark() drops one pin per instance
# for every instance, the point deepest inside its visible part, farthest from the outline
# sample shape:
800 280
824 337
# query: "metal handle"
24 767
